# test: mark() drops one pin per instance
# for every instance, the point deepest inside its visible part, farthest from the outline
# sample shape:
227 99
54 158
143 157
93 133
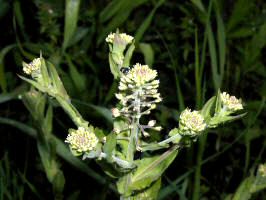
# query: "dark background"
231 39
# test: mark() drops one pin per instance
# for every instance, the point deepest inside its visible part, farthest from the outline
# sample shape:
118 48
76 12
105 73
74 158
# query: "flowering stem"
170 139
133 139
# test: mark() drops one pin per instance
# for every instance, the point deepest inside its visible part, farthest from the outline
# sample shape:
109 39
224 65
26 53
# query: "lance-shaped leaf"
207 110
150 169
218 105
113 67
109 146
45 75
129 54
34 83
57 83
150 193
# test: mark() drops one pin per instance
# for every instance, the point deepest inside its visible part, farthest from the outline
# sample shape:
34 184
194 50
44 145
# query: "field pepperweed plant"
138 94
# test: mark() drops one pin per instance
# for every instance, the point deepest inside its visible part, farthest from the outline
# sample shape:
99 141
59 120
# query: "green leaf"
58 182
49 168
48 120
243 192
151 168
120 16
147 22
35 103
153 146
57 83
78 79
221 37
129 54
218 103
80 33
150 193
113 67
71 20
44 72
3 53
106 113
199 5
34 83
109 146
239 13
208 109
110 10
260 180
148 53
213 55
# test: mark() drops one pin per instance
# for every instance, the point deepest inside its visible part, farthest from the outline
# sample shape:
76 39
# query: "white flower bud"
115 112
151 123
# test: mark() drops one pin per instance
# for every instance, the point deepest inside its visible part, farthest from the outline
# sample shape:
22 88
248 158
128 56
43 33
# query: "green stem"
72 112
247 154
196 191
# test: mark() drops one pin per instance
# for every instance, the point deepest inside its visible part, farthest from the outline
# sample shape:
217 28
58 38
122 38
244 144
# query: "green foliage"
200 46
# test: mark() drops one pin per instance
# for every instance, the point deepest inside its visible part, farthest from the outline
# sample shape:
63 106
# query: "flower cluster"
138 92
231 103
33 67
119 38
191 123
81 140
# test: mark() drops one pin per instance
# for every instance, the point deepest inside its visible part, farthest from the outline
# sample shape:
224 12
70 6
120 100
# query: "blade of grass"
174 62
120 17
71 20
3 53
216 81
199 5
110 10
147 22
213 56
221 37
30 185
197 72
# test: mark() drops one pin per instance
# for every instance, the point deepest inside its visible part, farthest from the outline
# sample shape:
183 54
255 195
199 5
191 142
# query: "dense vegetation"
196 46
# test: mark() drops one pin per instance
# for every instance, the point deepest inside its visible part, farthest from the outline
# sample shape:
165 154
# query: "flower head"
191 122
32 67
141 74
231 103
119 38
81 140
138 91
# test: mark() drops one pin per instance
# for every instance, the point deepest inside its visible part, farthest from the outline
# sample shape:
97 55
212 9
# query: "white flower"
151 123
231 103
115 112
119 37
191 123
32 67
81 140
